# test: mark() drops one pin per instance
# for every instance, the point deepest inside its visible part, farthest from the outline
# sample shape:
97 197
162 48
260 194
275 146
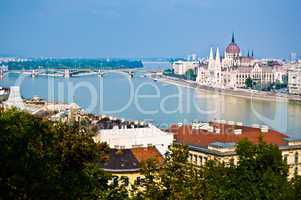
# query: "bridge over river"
66 73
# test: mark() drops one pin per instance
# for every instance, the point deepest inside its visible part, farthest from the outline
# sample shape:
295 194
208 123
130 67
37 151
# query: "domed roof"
233 48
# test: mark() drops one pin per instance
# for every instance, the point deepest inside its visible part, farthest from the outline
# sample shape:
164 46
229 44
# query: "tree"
249 83
296 188
175 179
42 160
259 174
150 186
177 174
190 75
168 72
285 79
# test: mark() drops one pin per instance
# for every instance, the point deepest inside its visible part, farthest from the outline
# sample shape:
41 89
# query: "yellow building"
127 162
217 141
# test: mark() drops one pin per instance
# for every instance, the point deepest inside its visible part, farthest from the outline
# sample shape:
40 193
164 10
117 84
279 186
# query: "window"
285 158
124 180
201 160
195 159
190 157
296 158
138 180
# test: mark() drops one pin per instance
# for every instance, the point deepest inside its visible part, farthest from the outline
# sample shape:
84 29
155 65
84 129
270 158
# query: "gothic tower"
211 64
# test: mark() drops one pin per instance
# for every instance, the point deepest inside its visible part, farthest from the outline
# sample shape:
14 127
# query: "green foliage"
249 83
279 85
168 72
190 75
40 160
176 178
149 187
296 188
285 79
260 174
69 63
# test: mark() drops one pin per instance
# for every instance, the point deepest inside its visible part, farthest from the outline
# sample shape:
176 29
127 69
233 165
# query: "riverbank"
241 93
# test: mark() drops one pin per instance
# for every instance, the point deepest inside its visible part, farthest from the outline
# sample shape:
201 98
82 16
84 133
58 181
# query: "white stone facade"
294 80
181 67
232 70
135 137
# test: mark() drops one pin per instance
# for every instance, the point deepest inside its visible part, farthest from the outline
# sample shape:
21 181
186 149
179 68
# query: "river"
160 103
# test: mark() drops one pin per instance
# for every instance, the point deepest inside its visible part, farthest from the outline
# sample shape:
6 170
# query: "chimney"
231 123
264 129
238 131
217 130
239 123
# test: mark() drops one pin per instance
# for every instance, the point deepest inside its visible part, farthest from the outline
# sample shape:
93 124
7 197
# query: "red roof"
128 160
143 154
201 138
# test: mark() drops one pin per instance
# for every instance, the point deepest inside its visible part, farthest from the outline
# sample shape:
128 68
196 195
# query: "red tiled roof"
128 160
201 138
143 154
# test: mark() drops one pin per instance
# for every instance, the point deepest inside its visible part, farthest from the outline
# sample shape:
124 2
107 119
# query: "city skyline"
64 28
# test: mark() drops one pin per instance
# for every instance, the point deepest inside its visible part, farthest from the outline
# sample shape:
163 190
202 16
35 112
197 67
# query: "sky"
148 28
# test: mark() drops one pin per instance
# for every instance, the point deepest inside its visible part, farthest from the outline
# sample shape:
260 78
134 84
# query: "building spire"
252 53
233 38
211 61
211 54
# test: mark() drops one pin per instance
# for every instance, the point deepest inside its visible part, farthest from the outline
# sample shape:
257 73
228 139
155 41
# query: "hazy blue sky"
147 28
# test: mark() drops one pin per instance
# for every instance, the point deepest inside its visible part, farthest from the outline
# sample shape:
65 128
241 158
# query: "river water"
160 103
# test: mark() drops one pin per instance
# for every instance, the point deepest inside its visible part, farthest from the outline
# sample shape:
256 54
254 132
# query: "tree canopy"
190 75
260 173
45 160
42 160
249 83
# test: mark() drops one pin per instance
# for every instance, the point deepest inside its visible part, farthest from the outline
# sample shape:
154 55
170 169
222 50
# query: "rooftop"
143 154
129 160
104 122
224 134
222 144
